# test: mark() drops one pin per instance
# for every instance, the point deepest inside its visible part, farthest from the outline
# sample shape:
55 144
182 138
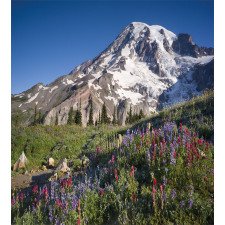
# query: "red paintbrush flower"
134 198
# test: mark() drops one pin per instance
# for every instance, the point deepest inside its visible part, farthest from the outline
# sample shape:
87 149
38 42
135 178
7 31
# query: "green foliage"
114 121
104 117
35 116
78 116
141 114
91 121
56 119
132 118
118 188
40 117
70 116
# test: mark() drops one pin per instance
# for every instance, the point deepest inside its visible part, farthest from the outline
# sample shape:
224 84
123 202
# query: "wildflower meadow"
160 171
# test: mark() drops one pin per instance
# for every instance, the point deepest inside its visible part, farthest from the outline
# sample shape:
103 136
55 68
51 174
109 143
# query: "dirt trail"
22 181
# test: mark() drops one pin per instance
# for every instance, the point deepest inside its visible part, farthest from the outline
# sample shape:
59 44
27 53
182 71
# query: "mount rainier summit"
147 67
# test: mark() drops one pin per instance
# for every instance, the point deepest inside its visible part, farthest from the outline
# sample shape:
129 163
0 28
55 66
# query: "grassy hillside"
40 142
197 114
160 171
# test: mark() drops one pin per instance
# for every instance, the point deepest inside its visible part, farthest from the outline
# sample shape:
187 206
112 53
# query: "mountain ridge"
135 69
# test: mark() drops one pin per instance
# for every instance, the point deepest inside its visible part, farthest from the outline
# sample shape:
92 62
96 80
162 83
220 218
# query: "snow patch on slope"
32 98
115 101
55 87
126 94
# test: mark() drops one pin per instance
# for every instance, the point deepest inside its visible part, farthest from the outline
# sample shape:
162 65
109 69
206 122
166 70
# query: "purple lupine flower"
57 221
166 170
86 220
192 189
123 219
74 202
164 181
164 197
173 193
148 155
52 191
211 172
190 202
182 204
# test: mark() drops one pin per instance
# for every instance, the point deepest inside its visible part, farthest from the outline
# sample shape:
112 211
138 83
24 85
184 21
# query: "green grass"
197 113
40 142
118 188
70 141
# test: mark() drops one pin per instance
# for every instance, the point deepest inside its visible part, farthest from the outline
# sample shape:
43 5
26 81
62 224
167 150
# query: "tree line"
75 117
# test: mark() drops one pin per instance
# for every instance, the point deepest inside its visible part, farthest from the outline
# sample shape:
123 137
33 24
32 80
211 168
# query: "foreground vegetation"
159 171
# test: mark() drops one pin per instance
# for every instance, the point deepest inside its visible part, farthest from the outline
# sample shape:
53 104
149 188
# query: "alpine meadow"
124 138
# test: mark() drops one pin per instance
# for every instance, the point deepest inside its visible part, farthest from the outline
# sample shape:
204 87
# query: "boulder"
86 161
20 163
62 165
44 168
51 162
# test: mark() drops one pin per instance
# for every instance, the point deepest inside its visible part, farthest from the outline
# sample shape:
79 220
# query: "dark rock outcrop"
185 46
204 76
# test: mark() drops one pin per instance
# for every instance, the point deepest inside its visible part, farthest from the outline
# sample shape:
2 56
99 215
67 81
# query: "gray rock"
21 162
62 165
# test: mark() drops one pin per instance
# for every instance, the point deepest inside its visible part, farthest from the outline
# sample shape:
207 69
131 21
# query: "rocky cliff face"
146 66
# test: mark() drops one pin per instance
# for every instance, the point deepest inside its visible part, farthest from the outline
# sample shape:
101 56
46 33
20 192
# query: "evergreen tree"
130 118
70 116
56 119
141 114
78 116
104 118
99 118
91 121
118 121
114 116
35 115
40 117
17 119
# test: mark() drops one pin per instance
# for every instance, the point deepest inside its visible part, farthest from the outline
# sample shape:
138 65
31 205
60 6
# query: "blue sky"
50 38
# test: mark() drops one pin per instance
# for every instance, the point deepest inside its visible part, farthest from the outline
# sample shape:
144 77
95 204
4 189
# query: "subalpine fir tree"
56 119
70 116
91 121
40 117
35 115
104 118
114 116
141 114
80 115
130 118
17 118
99 118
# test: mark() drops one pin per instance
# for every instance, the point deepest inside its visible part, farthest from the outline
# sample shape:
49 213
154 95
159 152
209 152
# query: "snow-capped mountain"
146 66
